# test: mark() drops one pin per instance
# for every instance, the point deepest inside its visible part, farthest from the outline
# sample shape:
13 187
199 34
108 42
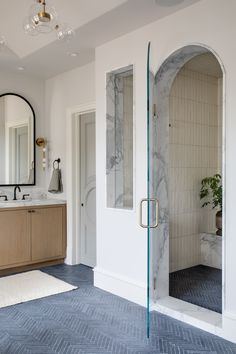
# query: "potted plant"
211 191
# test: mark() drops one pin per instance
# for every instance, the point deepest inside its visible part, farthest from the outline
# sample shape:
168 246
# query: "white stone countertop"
30 203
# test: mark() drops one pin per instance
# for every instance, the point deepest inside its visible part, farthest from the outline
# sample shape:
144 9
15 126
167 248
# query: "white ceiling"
95 22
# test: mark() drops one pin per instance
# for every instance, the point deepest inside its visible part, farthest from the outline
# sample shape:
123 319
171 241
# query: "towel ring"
58 162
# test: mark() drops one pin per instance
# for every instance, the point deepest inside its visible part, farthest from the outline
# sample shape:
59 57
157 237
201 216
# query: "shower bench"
211 250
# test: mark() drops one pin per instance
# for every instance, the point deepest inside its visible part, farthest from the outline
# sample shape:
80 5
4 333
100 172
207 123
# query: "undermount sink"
8 204
29 202
11 203
14 203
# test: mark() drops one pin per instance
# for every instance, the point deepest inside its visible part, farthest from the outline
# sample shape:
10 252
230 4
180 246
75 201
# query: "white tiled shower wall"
195 152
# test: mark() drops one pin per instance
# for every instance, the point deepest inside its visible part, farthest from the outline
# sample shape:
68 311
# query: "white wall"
193 155
64 91
16 110
121 243
50 101
33 90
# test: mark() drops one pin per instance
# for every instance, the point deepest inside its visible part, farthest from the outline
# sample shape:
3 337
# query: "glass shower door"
150 201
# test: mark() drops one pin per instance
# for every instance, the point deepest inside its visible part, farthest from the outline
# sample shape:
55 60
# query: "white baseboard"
120 286
229 326
230 315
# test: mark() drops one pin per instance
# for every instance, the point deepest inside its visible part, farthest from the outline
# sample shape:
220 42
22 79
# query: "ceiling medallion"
43 19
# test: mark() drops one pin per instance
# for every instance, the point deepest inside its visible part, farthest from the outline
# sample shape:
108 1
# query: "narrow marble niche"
119 121
186 140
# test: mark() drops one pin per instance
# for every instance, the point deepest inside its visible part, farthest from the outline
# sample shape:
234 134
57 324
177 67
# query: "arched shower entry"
185 145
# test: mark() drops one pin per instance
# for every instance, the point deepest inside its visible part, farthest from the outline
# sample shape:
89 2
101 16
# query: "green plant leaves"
211 189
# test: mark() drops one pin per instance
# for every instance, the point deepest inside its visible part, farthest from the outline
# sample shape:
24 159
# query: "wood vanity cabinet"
30 235
47 233
14 237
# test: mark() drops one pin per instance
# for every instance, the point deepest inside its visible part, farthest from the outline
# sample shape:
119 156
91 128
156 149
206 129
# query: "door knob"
82 204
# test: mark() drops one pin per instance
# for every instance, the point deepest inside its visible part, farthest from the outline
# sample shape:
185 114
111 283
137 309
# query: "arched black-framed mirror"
17 141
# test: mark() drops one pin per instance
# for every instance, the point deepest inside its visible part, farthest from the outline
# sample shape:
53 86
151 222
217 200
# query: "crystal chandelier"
43 19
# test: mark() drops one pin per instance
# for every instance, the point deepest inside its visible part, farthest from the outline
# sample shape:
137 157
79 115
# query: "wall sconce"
41 142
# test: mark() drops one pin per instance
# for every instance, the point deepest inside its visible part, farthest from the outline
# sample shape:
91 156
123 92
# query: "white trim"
73 190
229 325
230 315
14 124
197 316
121 286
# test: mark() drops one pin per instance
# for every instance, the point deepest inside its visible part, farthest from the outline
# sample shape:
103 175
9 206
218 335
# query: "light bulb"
64 32
29 27
3 41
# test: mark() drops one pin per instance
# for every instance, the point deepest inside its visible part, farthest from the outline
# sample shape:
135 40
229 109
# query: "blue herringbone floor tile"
199 285
91 321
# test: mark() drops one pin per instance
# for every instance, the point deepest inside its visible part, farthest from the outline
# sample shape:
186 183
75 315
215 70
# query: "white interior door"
88 189
22 168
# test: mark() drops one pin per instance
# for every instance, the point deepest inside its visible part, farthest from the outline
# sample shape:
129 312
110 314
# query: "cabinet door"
48 233
14 238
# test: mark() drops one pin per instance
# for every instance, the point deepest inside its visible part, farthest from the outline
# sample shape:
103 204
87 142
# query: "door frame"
73 180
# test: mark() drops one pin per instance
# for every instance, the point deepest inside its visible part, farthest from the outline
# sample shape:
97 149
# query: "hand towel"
31 176
55 185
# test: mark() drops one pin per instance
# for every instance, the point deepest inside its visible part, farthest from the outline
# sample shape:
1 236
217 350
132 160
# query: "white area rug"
32 285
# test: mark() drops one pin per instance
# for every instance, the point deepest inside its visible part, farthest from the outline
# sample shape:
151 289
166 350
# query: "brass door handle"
156 213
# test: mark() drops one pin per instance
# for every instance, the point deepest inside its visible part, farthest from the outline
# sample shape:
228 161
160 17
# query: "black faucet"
4 196
16 187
